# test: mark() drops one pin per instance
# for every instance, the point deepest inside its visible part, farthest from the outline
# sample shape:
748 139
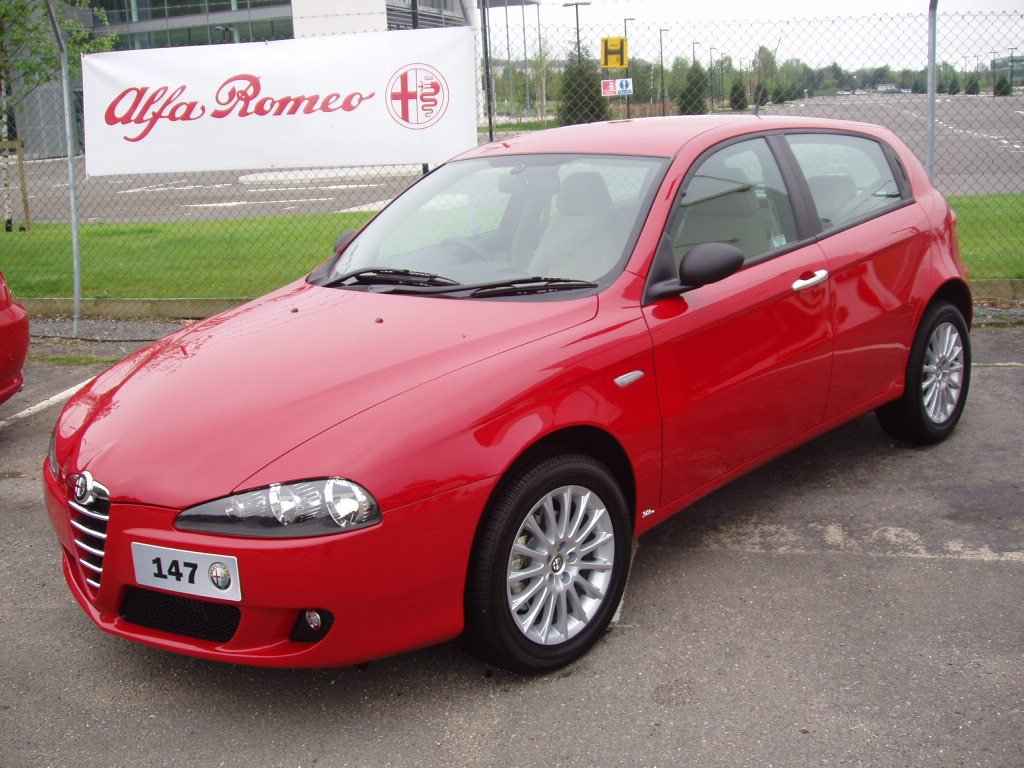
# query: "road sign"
614 52
622 87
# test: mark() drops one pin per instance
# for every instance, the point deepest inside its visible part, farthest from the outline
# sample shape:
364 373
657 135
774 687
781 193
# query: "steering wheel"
473 251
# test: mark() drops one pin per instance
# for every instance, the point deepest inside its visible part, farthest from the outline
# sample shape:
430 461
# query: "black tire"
917 417
506 636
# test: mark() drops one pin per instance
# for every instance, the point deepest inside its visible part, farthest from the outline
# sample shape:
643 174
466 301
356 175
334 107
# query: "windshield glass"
571 217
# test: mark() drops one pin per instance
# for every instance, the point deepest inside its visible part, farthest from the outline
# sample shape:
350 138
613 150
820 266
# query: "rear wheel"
549 566
937 379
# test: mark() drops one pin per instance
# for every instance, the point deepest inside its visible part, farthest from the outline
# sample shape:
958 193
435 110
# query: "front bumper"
14 341
391 588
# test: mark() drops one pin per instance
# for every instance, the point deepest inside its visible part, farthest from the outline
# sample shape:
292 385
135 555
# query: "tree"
953 86
676 79
738 94
30 56
541 69
973 87
764 64
581 100
1003 87
693 100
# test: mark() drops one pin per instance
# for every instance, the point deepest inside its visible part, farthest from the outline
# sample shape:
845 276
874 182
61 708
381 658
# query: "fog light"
312 625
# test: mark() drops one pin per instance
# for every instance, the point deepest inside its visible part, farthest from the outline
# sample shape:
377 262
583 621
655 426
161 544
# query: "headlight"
51 456
292 510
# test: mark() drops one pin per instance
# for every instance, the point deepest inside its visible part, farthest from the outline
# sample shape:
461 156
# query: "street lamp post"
695 51
661 60
577 5
625 34
711 75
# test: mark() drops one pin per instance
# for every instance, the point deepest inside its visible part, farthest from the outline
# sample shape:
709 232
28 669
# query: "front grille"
89 520
180 615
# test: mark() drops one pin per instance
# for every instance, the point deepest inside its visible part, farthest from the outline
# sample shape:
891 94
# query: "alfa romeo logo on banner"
382 98
417 96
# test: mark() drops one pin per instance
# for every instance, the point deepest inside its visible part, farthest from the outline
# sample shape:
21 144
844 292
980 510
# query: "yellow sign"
614 52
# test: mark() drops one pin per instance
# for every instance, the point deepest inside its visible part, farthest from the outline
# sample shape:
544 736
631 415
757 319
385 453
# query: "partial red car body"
435 405
14 341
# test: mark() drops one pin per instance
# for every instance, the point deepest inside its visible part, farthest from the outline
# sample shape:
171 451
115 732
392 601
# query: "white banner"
364 99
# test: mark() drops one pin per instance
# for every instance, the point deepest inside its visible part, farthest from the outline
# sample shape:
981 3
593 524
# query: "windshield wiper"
385 276
530 285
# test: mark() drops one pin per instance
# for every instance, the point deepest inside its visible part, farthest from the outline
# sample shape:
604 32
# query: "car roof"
655 136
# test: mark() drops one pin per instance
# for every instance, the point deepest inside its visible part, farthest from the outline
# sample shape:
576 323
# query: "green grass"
991 229
239 258
226 258
74 360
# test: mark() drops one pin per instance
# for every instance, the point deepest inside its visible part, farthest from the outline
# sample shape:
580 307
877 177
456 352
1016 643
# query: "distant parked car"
538 352
13 342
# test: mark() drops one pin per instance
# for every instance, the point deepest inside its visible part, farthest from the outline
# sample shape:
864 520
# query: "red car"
14 342
538 352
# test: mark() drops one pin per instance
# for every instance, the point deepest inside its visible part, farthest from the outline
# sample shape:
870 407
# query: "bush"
738 94
762 95
1003 87
693 99
581 100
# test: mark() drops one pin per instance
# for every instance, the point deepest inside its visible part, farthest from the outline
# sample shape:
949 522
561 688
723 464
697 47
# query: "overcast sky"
552 11
871 36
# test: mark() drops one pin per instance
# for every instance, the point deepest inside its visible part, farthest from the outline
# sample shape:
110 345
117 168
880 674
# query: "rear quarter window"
849 176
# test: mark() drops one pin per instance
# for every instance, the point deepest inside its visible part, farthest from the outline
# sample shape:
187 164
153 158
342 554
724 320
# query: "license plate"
191 573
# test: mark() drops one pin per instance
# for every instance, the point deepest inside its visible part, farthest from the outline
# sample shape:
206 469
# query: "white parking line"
58 398
236 203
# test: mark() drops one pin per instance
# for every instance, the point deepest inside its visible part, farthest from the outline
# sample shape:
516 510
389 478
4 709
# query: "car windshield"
488 221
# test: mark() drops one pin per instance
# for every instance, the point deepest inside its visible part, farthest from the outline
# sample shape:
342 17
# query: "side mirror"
708 263
343 239
703 264
321 272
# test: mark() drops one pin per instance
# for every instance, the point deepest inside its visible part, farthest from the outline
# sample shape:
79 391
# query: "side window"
849 176
736 196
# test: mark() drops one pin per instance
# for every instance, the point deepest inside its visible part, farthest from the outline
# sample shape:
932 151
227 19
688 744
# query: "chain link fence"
217 238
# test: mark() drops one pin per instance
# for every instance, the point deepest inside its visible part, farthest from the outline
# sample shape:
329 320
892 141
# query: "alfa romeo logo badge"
81 487
220 575
417 96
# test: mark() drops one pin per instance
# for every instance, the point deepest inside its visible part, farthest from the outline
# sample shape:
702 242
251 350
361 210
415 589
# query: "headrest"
737 201
584 194
831 193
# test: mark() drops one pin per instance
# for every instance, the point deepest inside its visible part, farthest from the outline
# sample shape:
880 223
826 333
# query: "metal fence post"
65 81
930 160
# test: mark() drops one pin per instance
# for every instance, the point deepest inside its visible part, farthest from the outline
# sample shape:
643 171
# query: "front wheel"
937 379
549 566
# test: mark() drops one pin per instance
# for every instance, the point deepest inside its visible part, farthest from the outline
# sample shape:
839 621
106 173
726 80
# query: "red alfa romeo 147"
536 353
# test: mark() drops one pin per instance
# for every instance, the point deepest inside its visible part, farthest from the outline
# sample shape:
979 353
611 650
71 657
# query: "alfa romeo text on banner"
368 99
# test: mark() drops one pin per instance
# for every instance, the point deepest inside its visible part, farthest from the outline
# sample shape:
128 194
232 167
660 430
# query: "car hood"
190 417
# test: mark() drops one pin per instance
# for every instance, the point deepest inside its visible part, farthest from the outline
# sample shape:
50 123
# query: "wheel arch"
591 441
956 293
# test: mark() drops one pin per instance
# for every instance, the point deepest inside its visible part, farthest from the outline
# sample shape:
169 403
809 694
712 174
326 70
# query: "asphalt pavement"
854 603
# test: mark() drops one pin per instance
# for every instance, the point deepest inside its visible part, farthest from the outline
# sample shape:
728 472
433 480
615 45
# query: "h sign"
614 52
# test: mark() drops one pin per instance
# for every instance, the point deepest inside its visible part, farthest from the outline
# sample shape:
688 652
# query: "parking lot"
853 603
979 146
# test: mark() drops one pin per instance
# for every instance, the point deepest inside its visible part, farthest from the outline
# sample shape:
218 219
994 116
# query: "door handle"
818 277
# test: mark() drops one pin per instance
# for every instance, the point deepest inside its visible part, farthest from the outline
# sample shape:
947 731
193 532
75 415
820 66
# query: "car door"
875 239
742 364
